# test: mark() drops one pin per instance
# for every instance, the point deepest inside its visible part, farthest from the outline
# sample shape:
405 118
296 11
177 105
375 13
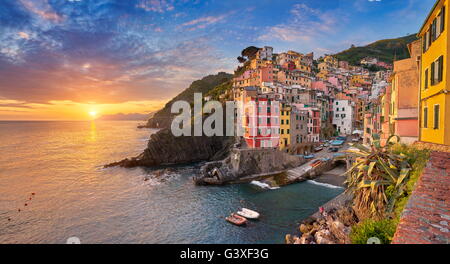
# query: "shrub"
418 158
384 230
377 178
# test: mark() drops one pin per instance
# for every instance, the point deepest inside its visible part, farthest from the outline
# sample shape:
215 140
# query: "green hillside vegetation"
220 89
385 50
163 117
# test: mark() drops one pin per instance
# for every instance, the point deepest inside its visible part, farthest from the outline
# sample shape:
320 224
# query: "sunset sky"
62 59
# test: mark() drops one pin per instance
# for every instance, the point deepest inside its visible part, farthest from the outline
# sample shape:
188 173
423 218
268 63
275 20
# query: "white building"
369 61
377 89
343 111
265 53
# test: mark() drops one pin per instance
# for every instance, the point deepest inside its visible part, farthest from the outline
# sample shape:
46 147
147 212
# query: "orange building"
405 96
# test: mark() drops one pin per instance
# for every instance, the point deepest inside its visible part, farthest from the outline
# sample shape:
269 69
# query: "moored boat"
236 219
247 213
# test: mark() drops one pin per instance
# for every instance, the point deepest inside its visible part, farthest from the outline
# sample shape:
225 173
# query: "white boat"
247 213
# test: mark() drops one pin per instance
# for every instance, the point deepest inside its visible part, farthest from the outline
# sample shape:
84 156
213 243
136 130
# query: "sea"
53 187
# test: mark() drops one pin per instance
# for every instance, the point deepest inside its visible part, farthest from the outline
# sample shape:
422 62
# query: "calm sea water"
61 163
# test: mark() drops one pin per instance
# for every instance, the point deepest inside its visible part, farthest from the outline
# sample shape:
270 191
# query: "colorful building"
260 119
285 127
343 111
299 126
434 75
405 93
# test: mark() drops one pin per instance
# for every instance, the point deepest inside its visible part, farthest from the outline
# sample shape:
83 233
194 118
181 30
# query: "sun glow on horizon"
70 110
93 114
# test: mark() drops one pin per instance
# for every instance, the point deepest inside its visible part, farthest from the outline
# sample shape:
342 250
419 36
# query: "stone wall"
432 146
426 217
247 164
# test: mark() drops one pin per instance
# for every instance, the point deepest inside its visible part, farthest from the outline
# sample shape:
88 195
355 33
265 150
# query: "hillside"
163 117
385 50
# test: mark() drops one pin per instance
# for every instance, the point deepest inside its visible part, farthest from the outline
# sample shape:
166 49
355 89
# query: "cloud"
159 6
305 23
98 54
42 9
203 22
23 35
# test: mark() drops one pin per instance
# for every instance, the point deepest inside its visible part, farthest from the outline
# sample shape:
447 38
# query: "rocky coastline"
330 226
164 148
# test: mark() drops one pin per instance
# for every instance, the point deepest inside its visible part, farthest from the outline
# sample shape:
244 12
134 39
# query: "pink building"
260 119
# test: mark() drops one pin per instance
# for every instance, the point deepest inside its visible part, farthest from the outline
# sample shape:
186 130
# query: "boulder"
323 236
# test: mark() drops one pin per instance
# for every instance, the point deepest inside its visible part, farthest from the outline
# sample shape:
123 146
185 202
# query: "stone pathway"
426 218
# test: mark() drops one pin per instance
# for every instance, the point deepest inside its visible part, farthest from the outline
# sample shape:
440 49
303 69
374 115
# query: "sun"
93 114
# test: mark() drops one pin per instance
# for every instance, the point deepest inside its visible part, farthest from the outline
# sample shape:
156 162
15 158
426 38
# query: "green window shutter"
441 68
429 37
436 117
425 117
426 79
424 46
433 30
432 73
443 19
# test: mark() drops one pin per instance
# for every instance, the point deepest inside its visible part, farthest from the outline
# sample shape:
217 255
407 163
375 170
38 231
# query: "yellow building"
285 127
257 63
434 102
322 75
331 61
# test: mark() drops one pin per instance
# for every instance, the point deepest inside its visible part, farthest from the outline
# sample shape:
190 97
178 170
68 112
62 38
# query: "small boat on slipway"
236 219
247 213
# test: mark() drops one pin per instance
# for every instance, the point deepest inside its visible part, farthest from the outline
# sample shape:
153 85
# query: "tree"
241 59
247 54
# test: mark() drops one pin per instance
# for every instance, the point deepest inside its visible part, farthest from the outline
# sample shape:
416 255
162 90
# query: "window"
433 30
432 73
440 68
438 26
282 131
425 117
437 68
282 121
436 117
268 120
287 122
426 79
424 43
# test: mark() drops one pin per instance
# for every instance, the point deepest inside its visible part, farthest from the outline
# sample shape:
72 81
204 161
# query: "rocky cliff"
164 149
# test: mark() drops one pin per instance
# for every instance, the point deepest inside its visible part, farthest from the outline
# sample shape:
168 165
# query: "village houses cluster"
297 101
313 101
